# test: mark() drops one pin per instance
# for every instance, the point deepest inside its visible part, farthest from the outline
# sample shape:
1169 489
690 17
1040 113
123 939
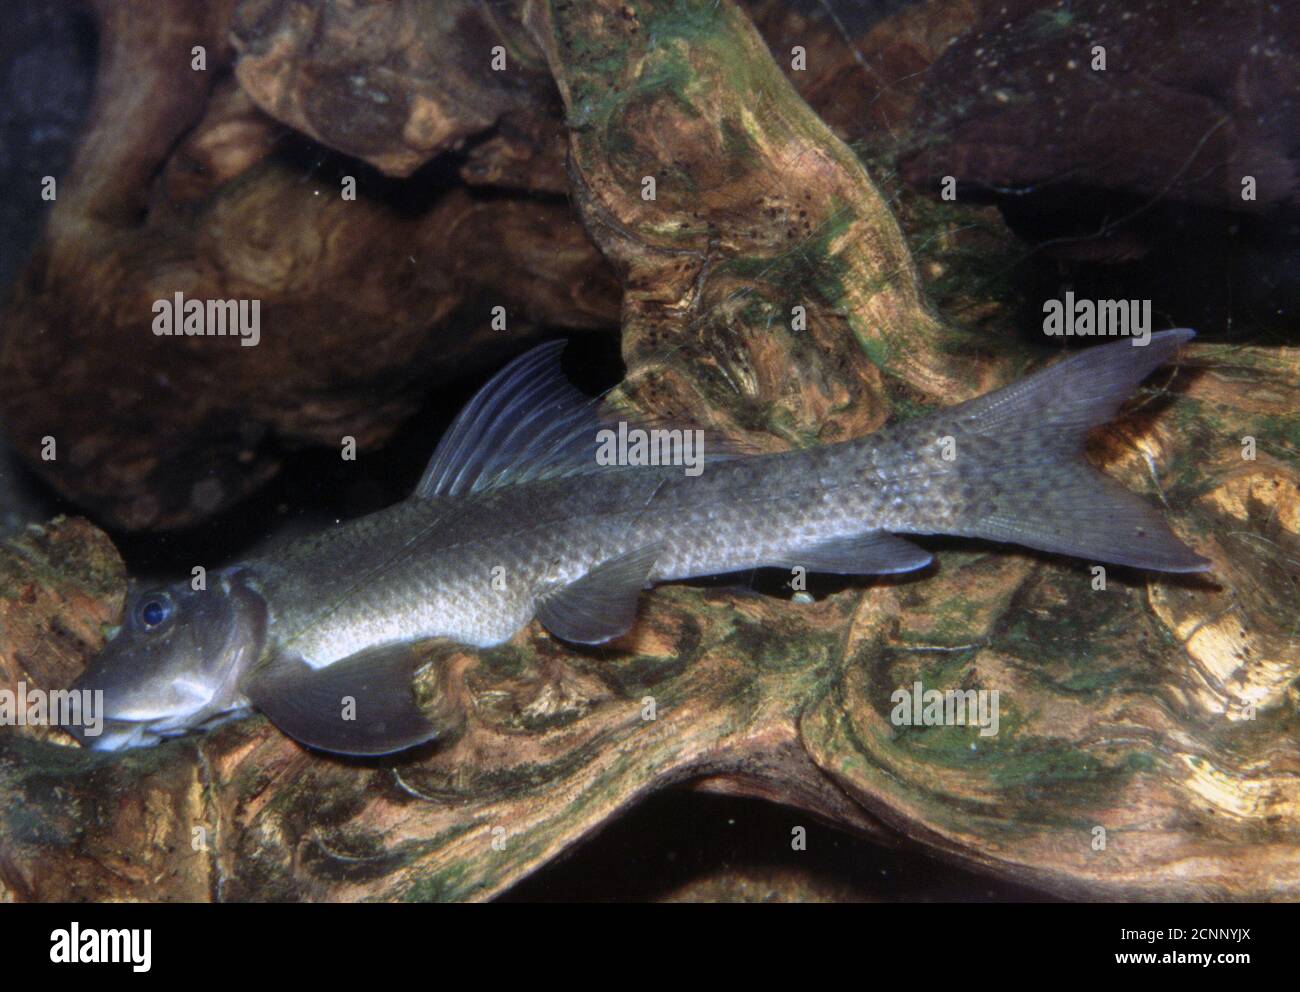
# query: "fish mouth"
106 733
114 732
122 735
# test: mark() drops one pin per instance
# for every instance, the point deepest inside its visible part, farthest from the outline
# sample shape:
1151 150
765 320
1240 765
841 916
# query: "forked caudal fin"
1029 481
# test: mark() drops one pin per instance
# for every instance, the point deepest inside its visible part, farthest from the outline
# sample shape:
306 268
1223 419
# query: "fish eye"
154 610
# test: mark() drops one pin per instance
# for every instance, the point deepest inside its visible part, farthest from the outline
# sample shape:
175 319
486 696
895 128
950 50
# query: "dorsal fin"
527 423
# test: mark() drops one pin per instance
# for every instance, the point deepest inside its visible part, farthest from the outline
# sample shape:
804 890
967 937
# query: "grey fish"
516 517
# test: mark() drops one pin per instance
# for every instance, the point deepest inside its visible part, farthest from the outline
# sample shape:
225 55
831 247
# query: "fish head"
175 663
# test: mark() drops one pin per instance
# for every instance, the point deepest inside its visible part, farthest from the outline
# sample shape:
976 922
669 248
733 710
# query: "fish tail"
1018 472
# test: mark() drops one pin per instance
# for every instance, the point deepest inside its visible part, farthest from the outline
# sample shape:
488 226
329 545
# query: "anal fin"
601 605
876 552
363 704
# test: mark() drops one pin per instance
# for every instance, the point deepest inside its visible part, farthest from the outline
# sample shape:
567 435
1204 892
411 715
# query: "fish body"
517 518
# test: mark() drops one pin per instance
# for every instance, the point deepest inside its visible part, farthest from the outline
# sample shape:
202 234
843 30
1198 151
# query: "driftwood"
1218 104
365 305
1148 743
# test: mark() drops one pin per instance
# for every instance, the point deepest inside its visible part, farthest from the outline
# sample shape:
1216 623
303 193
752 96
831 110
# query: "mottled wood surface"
182 185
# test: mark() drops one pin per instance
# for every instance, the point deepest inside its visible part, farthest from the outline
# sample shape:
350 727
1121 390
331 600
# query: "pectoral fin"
363 704
601 605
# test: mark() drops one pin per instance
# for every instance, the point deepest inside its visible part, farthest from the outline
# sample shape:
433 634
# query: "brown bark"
365 304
